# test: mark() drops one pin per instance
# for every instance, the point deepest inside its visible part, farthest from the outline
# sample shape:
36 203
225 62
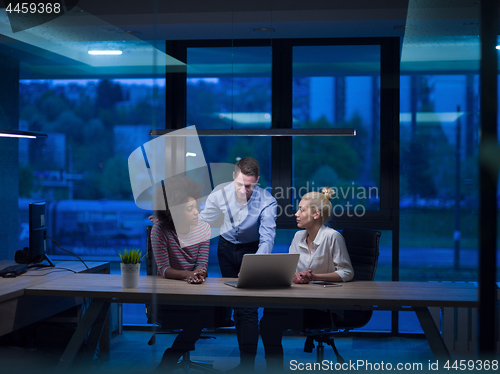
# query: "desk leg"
105 340
432 334
93 321
120 318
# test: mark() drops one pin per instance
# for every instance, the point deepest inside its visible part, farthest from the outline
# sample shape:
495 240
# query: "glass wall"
439 177
338 87
97 110
230 87
81 168
332 86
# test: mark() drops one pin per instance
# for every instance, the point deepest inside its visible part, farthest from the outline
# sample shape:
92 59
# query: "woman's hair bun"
328 192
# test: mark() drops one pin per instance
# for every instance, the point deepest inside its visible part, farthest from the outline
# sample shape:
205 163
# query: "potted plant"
130 267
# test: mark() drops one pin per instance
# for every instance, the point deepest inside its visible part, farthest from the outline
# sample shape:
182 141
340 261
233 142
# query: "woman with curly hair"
180 246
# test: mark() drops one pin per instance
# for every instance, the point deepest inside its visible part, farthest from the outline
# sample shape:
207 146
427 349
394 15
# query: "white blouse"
328 253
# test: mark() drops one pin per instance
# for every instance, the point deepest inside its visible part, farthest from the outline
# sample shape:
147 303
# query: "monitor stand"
40 265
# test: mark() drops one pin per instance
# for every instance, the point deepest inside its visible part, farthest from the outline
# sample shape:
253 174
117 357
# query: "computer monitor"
37 250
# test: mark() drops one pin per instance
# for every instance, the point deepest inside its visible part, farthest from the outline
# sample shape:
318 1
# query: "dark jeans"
191 319
276 320
246 319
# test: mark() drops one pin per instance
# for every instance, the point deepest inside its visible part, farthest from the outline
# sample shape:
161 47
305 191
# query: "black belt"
239 245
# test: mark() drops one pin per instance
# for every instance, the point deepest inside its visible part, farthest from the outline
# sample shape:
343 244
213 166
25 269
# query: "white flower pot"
130 275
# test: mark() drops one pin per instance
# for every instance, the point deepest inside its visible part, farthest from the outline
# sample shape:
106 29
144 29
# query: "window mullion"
281 147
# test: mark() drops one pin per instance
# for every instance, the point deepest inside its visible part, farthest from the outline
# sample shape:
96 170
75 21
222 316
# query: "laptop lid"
267 270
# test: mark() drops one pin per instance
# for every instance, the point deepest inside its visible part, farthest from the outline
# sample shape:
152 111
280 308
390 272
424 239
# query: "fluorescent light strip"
16 136
21 134
105 52
256 132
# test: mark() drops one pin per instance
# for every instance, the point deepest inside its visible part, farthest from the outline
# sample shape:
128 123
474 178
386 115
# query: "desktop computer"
36 253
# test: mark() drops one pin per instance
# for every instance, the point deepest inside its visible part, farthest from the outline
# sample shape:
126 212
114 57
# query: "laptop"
272 270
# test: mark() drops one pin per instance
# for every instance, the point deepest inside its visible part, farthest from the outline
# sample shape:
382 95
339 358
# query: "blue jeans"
246 319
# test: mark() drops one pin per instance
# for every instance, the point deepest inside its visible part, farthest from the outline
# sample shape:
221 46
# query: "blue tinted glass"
81 168
439 177
229 87
230 149
338 86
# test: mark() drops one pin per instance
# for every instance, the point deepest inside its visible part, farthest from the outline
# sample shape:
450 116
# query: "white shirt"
328 253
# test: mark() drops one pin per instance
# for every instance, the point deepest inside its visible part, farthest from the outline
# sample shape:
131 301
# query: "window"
439 177
338 86
233 86
81 168
230 87
304 84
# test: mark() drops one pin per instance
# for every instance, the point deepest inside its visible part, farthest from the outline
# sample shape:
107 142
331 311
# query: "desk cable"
71 253
56 270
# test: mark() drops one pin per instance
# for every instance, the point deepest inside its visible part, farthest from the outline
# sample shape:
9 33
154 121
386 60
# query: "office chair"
220 318
363 248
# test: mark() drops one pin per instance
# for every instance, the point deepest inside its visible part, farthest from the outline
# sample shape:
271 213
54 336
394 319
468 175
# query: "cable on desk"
71 253
50 272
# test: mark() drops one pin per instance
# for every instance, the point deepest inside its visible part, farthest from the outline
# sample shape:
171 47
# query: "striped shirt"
180 252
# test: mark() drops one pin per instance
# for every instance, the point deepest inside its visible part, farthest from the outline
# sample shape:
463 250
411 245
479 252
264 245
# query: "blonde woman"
323 257
322 250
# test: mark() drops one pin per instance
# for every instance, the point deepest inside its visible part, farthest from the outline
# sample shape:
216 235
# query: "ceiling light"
105 52
20 134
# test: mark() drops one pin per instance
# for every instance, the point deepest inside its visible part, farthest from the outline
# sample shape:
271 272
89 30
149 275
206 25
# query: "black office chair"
363 248
220 318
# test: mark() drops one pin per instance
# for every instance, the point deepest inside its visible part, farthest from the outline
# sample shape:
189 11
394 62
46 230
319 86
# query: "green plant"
133 256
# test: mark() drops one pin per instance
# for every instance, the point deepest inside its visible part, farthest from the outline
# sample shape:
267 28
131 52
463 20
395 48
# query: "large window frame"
387 217
282 114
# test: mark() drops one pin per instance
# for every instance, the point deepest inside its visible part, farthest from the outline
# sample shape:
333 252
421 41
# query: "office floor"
224 354
130 353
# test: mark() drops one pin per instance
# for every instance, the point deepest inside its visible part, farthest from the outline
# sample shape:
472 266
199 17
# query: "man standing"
249 227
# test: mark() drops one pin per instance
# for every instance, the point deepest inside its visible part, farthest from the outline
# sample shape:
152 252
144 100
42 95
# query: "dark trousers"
191 319
246 319
276 320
